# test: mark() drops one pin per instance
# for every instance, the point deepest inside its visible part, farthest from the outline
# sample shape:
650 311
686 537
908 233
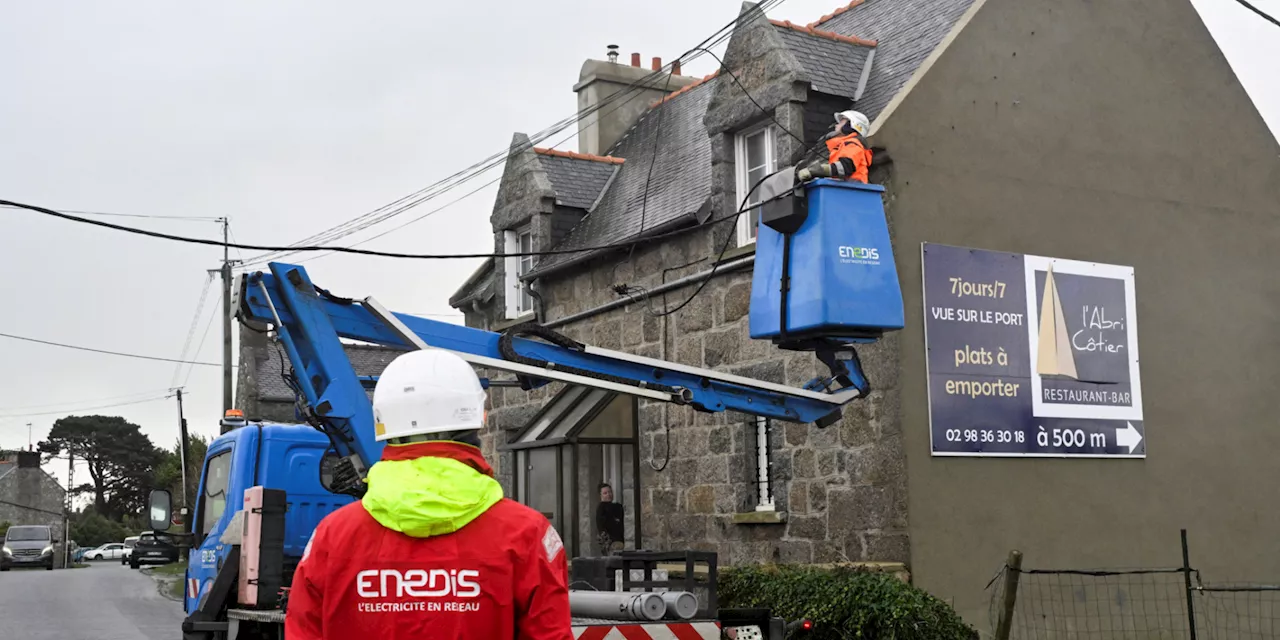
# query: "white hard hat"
860 122
427 391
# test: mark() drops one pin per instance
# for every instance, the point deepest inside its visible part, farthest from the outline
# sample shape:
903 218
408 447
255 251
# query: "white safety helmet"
427 391
860 122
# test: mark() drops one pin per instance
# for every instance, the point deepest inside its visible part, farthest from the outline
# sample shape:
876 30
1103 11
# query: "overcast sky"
290 117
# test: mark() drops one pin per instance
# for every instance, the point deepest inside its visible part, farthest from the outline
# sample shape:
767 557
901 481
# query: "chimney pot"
635 59
675 67
657 63
613 53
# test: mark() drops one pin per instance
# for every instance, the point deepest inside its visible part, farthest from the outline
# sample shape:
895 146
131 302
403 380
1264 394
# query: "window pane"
755 150
604 527
216 475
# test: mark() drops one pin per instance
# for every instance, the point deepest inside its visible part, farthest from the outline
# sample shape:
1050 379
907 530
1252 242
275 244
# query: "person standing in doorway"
610 532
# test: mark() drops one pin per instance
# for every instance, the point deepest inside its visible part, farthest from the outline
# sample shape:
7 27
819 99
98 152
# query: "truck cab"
293 458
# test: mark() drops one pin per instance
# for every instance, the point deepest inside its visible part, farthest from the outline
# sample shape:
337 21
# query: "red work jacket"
502 575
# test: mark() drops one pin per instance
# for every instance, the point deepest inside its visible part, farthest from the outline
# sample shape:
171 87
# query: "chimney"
28 460
600 128
657 64
675 67
613 53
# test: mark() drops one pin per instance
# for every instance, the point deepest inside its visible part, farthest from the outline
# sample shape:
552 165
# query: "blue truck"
310 469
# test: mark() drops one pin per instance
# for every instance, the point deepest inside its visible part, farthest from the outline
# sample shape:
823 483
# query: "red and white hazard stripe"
651 631
193 587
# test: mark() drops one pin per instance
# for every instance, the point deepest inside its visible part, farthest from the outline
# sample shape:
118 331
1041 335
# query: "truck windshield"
27 533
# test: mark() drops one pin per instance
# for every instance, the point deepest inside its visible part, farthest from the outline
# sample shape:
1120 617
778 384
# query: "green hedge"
843 602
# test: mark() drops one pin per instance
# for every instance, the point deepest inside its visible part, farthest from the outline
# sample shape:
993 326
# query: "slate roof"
833 66
906 31
6 468
576 178
367 360
681 180
902 32
475 285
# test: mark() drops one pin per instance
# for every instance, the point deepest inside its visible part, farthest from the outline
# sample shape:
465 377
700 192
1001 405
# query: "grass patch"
79 565
171 569
175 589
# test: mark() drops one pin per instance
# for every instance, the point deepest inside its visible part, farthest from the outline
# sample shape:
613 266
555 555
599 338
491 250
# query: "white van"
129 544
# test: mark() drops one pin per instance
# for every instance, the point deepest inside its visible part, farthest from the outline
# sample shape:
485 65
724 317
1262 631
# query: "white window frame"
743 185
516 295
764 465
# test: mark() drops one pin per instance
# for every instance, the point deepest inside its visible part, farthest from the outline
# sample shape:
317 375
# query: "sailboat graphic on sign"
1055 357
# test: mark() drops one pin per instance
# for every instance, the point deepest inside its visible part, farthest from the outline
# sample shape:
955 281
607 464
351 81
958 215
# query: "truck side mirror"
160 509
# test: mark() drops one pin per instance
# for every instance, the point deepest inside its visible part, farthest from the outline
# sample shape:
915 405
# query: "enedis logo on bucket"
859 255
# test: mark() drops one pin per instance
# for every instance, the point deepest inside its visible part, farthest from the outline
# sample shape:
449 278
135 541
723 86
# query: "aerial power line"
81 409
110 353
1265 16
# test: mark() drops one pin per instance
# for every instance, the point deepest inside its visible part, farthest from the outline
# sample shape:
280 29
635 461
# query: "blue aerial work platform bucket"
833 277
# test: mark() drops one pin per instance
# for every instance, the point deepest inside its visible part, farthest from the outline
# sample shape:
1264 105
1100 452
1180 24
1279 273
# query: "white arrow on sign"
1128 437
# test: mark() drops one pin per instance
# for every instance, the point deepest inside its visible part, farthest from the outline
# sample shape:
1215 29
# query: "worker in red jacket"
849 158
433 550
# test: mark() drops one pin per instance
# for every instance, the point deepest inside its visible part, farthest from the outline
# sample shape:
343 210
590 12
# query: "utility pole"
227 399
183 453
66 516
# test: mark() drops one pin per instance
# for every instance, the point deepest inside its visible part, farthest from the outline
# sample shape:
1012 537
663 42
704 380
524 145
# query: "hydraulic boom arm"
309 322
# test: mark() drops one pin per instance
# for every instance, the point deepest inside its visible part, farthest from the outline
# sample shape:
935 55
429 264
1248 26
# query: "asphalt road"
105 601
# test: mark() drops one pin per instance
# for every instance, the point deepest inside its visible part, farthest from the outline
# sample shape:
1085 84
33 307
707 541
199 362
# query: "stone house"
28 494
1026 126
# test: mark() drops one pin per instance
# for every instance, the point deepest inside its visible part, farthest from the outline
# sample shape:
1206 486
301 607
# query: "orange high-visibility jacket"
849 159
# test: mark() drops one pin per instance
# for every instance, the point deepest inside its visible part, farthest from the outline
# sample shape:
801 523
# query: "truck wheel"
4 568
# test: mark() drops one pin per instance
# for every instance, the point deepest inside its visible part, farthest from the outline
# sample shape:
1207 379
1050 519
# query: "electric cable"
725 68
196 354
139 215
80 409
110 353
462 176
1258 11
122 396
191 331
725 247
371 252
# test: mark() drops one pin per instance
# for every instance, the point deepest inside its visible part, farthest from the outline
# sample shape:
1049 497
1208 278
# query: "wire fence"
1174 603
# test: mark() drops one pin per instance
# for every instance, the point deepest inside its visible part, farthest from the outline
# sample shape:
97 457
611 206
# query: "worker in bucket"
433 550
849 158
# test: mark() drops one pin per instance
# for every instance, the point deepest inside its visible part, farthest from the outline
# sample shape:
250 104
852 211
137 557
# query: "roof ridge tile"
578 156
685 89
836 12
854 40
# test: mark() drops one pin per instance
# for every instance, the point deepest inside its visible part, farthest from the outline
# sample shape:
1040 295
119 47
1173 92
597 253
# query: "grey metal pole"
1186 574
227 400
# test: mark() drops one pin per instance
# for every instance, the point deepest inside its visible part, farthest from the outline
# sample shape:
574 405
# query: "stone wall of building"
28 495
839 492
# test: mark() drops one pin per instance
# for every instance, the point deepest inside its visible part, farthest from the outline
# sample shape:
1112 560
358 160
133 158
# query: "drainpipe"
539 305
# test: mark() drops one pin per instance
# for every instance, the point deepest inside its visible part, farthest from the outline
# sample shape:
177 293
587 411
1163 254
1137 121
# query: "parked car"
128 548
27 546
158 548
108 551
